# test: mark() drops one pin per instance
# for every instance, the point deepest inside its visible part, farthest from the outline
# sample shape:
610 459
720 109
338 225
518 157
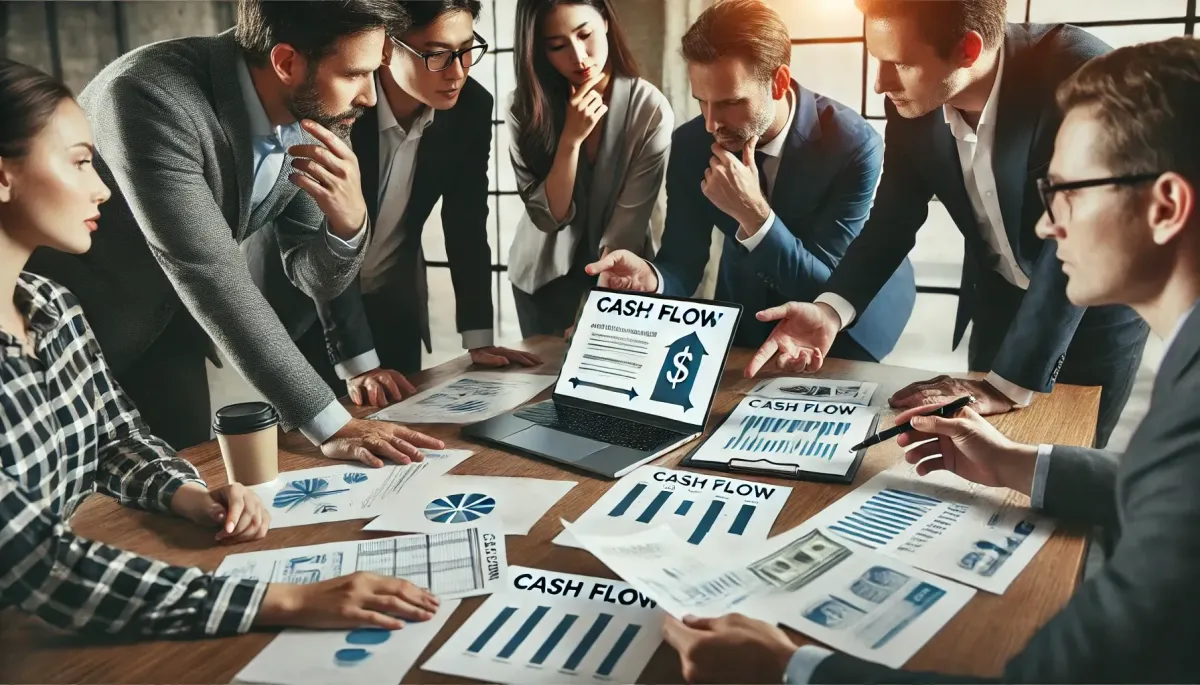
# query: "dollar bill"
793 566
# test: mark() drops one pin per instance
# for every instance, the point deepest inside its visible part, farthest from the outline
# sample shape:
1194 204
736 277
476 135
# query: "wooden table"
977 641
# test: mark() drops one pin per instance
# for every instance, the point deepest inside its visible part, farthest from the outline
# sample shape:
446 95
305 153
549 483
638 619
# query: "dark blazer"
1133 621
822 196
922 161
452 164
174 145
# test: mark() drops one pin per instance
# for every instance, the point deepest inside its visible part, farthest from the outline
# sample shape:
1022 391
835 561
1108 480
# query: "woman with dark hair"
590 141
68 430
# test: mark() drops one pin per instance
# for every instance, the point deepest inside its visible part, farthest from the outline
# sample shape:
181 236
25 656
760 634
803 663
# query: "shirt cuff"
347 248
658 275
483 337
329 421
752 242
1019 396
841 305
802 664
1041 470
367 361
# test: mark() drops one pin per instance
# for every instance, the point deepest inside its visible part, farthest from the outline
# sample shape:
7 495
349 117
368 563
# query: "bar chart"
884 516
652 511
765 434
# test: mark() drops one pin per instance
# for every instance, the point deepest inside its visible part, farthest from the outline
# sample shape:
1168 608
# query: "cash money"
804 559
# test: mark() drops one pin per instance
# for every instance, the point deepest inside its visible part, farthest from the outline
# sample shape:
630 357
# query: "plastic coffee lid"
244 417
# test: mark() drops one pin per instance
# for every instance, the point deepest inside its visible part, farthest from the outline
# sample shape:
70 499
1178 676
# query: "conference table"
977 641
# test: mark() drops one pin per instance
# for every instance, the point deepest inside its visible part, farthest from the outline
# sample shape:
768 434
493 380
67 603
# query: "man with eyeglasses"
429 137
1123 209
971 120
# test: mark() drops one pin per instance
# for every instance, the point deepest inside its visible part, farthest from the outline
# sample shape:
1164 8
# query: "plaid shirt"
68 431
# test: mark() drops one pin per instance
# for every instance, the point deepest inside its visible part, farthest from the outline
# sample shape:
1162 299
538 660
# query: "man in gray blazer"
206 143
1122 198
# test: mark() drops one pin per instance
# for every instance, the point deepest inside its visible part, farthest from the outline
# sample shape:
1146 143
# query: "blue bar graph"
742 520
628 500
769 434
618 650
884 516
706 523
683 508
589 639
523 632
655 504
500 620
551 642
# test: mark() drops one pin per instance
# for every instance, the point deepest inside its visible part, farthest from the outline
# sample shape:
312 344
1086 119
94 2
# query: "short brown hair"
944 23
747 29
1148 99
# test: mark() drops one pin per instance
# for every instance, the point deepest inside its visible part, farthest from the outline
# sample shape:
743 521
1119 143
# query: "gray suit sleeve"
1081 486
148 142
312 257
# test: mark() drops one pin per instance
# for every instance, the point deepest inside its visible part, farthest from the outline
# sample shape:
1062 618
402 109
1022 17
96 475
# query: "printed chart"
888 514
474 396
699 508
513 505
552 627
820 389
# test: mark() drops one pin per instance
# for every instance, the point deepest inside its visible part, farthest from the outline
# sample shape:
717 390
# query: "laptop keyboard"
610 429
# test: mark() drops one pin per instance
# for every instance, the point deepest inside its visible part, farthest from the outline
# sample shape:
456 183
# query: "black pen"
943 411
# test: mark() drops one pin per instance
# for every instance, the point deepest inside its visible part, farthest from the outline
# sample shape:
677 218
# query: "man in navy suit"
786 174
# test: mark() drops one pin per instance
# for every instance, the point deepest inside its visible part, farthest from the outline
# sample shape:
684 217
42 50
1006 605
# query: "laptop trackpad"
542 440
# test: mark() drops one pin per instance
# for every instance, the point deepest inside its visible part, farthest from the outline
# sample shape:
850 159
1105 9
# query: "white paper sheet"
816 389
336 657
474 396
548 627
942 524
708 510
451 565
788 435
512 505
347 491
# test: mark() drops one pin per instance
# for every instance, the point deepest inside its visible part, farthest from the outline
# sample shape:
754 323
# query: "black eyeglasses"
1048 190
440 60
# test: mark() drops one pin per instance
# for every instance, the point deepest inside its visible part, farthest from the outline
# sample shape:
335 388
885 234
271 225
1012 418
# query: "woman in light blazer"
590 141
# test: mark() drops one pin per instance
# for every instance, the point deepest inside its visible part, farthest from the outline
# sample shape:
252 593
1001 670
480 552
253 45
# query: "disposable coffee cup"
249 442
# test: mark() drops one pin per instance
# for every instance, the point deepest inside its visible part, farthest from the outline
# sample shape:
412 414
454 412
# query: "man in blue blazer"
786 174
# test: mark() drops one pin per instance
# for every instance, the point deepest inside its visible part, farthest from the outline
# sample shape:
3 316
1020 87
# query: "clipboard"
766 467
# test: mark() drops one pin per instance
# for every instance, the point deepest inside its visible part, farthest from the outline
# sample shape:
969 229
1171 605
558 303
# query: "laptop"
638 381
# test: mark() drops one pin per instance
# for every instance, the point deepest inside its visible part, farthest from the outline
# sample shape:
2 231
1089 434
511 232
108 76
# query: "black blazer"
921 161
452 164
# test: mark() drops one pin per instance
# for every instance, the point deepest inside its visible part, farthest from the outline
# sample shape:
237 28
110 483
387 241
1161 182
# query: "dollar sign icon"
681 373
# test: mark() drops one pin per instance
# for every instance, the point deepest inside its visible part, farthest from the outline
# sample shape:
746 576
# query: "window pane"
874 100
506 12
505 180
880 126
505 221
834 71
432 238
937 256
1121 36
506 82
1016 10
1104 10
819 18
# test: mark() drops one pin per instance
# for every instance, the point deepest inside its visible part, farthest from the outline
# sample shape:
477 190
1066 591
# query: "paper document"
346 492
510 505
548 627
816 389
474 396
462 563
790 435
942 524
336 657
713 511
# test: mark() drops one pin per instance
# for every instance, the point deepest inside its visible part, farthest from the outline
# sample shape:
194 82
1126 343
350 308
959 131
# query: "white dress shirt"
975 148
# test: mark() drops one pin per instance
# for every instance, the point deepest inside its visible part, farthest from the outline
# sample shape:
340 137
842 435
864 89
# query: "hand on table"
623 270
370 442
329 173
379 387
801 339
354 601
495 357
967 446
729 649
234 508
943 389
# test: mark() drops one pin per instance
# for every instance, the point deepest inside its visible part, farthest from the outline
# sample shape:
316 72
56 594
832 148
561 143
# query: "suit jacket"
821 197
626 183
921 161
1133 621
173 142
452 164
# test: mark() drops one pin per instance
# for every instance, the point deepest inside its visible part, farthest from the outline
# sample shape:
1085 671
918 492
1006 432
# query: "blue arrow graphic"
620 391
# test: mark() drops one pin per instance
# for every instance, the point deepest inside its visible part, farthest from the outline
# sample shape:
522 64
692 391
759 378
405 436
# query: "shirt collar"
387 119
1179 326
959 126
41 313
775 147
260 125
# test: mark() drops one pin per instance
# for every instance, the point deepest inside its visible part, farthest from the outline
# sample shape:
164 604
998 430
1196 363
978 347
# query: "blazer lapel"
281 193
796 181
607 170
1180 355
1016 121
235 122
951 190
364 138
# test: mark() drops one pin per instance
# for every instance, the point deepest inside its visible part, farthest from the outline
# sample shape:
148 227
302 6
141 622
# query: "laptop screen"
649 354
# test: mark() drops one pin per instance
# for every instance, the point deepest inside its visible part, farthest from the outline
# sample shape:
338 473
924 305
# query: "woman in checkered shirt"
67 430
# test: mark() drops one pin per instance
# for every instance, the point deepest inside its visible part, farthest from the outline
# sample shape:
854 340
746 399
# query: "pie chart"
459 508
